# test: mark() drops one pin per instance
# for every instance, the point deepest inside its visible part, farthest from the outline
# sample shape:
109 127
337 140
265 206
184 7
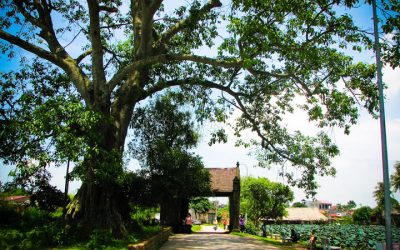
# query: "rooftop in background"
304 214
222 179
17 199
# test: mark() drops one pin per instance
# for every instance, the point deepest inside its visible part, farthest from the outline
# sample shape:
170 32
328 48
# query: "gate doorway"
225 182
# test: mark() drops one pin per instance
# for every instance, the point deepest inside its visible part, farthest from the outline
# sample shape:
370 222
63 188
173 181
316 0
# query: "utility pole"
386 183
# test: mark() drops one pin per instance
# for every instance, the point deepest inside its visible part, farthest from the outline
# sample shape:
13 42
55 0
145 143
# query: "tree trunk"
173 212
99 206
100 202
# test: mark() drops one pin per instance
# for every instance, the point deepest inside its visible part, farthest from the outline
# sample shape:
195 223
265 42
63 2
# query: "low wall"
153 243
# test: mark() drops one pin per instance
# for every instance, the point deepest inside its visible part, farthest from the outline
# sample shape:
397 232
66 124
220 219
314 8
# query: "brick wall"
154 242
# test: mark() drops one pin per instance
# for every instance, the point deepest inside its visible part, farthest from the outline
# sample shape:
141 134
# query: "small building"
320 204
300 215
17 199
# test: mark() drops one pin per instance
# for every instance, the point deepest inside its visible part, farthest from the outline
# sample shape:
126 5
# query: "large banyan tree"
88 64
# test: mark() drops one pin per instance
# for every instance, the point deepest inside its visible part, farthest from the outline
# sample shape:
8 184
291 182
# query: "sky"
359 166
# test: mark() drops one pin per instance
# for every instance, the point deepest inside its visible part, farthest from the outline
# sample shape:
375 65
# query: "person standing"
215 222
242 223
313 240
294 235
188 223
264 229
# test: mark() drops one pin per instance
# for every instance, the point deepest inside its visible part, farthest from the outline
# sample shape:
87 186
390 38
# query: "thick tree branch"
108 9
304 86
155 6
83 56
30 47
167 35
123 73
266 143
98 73
67 64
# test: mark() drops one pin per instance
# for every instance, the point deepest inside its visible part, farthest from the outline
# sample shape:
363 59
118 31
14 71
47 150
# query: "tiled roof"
222 179
324 202
17 198
304 214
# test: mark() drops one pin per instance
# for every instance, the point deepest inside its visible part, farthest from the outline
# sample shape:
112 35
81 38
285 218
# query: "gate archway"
225 182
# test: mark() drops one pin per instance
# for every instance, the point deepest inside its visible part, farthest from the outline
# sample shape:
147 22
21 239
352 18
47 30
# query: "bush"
345 236
32 217
99 239
148 231
10 239
251 228
8 215
362 215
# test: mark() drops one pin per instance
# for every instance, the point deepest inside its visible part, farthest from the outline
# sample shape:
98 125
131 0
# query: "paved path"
210 229
216 241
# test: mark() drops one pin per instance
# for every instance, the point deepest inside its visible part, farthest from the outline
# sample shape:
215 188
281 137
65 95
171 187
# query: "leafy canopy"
110 57
163 137
261 198
200 205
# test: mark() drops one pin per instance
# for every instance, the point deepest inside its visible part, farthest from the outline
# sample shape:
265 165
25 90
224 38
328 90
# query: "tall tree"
362 215
379 195
163 136
299 204
264 199
200 205
113 56
395 177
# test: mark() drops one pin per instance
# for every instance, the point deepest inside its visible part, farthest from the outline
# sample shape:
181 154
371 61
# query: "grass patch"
196 228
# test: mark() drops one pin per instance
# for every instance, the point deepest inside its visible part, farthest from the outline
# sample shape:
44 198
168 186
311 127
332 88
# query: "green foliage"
349 206
163 137
379 195
344 236
32 228
270 56
99 239
391 27
143 216
196 228
299 204
263 199
362 215
251 228
43 112
223 212
200 205
8 215
395 177
49 198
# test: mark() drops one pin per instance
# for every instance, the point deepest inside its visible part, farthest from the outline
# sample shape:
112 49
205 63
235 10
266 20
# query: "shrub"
251 228
10 238
32 217
8 215
99 239
362 215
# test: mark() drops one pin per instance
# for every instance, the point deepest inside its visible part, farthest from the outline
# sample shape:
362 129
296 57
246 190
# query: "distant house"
17 199
303 215
20 202
207 217
320 204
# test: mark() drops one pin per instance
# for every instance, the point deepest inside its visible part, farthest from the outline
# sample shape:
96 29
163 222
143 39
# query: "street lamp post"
386 182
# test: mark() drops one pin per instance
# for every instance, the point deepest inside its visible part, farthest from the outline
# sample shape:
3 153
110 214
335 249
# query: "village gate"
225 182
